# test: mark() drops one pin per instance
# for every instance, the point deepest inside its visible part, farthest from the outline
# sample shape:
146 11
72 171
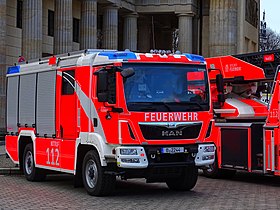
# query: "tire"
95 181
215 173
30 171
186 181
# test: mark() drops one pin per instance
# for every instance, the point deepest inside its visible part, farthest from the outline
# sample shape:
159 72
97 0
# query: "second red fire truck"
246 132
99 114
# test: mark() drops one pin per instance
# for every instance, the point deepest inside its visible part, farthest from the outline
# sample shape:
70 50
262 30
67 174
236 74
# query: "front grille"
159 131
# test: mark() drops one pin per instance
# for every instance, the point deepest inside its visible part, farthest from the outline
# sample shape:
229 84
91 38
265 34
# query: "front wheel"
213 171
95 181
186 181
30 171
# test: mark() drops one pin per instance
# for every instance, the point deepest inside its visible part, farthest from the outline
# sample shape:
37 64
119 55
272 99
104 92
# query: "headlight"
209 149
128 151
130 160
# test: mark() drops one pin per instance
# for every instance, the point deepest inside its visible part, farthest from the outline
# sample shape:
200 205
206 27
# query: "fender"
94 139
31 134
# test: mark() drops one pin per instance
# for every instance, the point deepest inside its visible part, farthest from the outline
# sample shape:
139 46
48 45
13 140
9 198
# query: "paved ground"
5 163
243 192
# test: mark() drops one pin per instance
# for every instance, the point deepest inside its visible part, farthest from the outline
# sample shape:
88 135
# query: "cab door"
68 106
68 119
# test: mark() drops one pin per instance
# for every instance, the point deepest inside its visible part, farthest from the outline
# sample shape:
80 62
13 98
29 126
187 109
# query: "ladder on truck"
267 60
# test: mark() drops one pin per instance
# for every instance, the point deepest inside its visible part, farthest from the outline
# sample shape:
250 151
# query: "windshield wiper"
185 103
147 109
142 106
165 104
151 106
194 103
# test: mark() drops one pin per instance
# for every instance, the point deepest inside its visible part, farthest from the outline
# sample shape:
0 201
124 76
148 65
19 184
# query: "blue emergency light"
13 69
197 58
124 55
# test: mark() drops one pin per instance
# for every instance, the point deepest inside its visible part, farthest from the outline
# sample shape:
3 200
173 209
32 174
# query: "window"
68 82
254 46
19 13
50 23
173 87
251 13
76 30
247 42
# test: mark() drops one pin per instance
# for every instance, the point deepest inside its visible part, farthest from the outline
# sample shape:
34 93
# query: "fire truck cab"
98 114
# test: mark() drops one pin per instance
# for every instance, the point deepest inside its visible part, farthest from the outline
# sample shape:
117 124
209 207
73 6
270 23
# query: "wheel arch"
81 152
25 137
23 141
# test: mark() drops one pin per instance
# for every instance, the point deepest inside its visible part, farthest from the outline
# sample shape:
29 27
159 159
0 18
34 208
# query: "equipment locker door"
269 153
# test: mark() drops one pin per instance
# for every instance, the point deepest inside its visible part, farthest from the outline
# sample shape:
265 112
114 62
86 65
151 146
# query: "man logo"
171 125
172 133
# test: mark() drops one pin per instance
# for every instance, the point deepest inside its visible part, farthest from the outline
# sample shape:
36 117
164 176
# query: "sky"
272 13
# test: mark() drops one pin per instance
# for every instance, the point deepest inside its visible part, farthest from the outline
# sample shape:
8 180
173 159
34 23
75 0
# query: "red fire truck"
246 131
99 114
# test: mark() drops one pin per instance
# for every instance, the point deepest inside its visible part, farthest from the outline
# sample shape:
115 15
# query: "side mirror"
102 85
126 73
221 97
220 83
220 88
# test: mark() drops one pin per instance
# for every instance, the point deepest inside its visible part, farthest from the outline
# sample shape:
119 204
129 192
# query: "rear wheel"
95 181
30 171
186 181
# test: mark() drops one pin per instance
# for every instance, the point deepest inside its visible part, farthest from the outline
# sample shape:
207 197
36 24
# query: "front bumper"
140 157
205 155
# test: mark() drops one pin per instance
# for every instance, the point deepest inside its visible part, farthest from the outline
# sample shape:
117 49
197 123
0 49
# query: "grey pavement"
245 191
6 165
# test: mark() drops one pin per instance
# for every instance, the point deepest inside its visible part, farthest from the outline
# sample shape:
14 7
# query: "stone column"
204 45
223 27
110 28
63 32
2 65
32 29
89 24
185 32
144 34
130 32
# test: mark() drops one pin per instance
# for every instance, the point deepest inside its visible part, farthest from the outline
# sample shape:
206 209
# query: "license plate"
172 150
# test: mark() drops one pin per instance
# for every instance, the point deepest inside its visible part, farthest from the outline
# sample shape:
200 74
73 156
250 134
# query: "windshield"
167 87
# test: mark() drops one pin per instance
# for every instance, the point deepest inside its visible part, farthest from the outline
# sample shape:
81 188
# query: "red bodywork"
60 153
246 132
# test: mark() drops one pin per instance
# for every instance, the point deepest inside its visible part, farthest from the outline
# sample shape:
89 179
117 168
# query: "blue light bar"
197 58
13 69
119 55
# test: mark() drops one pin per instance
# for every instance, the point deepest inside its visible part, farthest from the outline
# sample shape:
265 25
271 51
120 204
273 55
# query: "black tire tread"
218 173
106 183
37 174
186 181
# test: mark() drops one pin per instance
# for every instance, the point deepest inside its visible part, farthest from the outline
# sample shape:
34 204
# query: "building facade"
38 28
